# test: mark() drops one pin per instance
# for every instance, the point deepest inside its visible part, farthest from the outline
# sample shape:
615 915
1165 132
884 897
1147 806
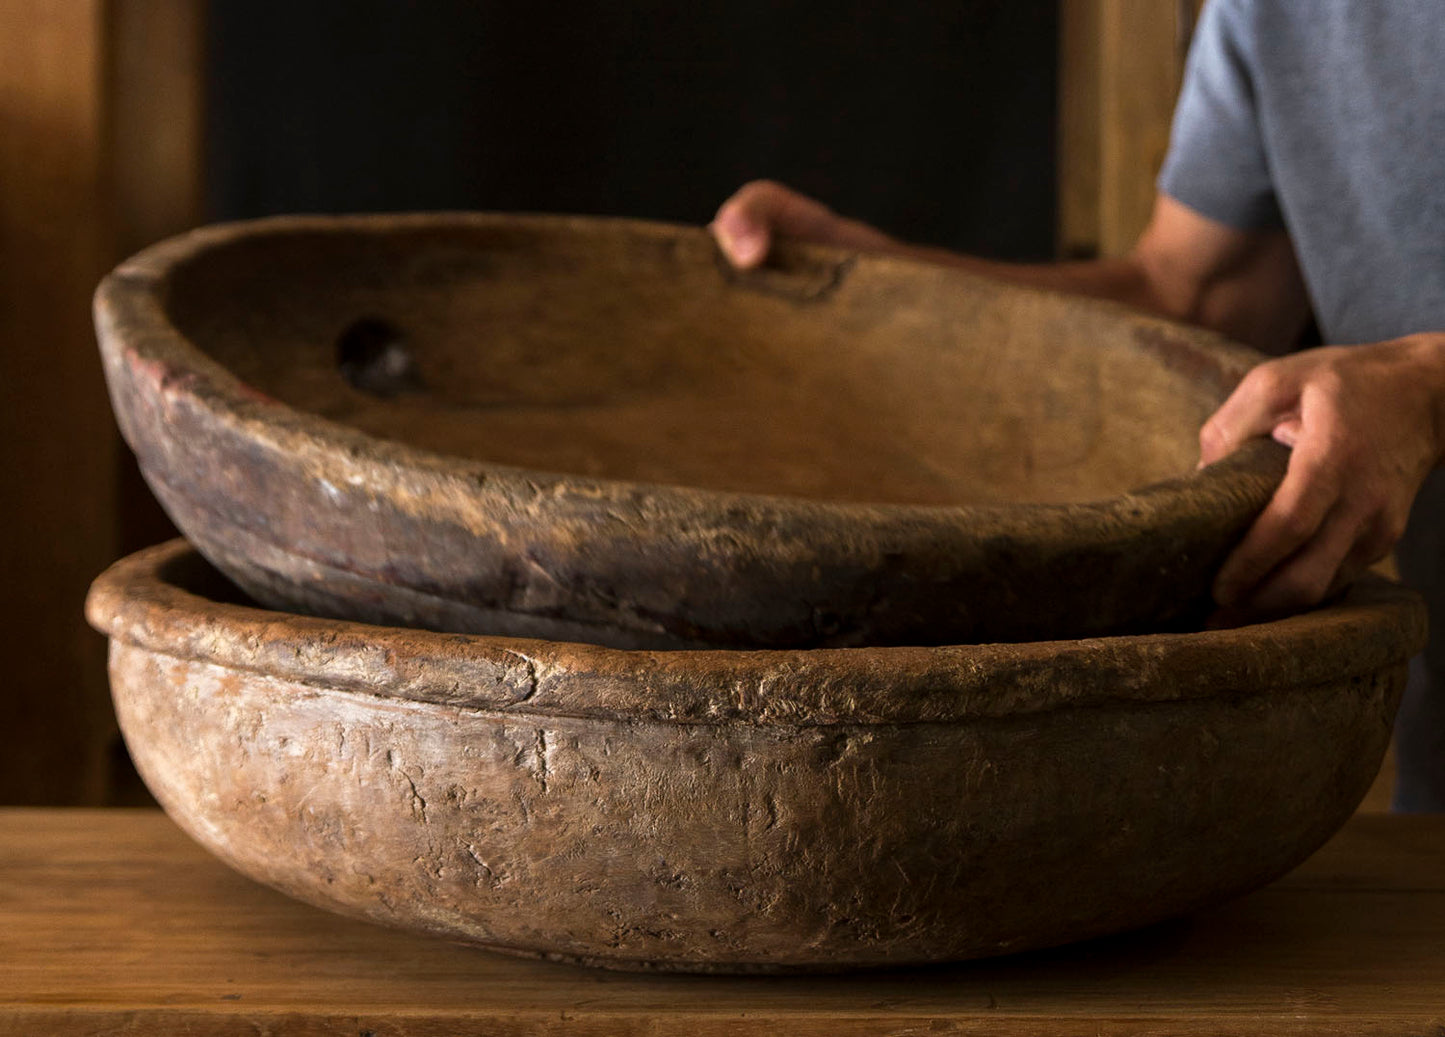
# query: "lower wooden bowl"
738 811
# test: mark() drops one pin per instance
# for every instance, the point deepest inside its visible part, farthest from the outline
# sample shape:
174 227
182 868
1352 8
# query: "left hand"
1366 424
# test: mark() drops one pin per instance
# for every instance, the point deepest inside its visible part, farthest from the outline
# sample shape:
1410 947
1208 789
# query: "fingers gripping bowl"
588 429
748 810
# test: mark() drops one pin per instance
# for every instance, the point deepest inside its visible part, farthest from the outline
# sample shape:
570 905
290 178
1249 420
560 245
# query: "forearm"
1243 284
1255 298
747 223
1123 279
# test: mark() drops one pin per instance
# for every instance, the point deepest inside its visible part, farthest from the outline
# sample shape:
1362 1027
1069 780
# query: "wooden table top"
115 922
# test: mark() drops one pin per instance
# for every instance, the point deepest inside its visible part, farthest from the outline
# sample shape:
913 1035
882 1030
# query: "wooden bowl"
748 810
591 429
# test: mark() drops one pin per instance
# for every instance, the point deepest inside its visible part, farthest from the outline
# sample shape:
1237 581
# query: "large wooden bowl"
735 811
591 429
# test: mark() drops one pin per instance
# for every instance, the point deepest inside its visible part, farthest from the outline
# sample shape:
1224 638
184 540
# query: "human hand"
747 224
1366 424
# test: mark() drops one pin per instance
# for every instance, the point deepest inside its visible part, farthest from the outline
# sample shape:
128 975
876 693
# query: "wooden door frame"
100 112
1120 66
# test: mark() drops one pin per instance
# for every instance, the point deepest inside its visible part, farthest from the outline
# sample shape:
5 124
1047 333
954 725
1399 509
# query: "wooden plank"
100 119
114 919
57 440
1141 68
1120 66
1078 131
155 118
155 131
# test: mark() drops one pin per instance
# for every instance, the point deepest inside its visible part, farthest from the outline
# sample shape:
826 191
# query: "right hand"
748 222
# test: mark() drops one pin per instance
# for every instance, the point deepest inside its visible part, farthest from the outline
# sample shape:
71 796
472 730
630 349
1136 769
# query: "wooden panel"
1121 63
155 128
57 441
1078 137
1141 67
113 921
155 115
94 160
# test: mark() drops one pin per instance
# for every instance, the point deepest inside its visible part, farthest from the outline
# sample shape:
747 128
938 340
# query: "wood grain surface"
113 922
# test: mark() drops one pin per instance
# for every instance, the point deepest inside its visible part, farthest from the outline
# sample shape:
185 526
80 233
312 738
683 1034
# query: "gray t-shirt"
1326 117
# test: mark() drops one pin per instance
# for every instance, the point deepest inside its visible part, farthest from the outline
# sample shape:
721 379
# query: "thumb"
747 222
1287 431
1265 403
742 235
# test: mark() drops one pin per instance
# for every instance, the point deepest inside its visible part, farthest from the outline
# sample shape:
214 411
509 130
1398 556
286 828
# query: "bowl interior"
629 351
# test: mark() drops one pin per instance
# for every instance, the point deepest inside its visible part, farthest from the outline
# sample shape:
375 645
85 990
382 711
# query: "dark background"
933 120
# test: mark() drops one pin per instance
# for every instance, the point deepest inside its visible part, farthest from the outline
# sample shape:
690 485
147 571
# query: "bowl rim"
131 316
142 601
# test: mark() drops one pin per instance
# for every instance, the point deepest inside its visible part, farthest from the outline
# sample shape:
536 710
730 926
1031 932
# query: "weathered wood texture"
1121 63
749 811
595 430
87 89
115 922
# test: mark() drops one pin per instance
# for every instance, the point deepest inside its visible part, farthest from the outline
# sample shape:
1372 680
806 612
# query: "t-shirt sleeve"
1217 164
